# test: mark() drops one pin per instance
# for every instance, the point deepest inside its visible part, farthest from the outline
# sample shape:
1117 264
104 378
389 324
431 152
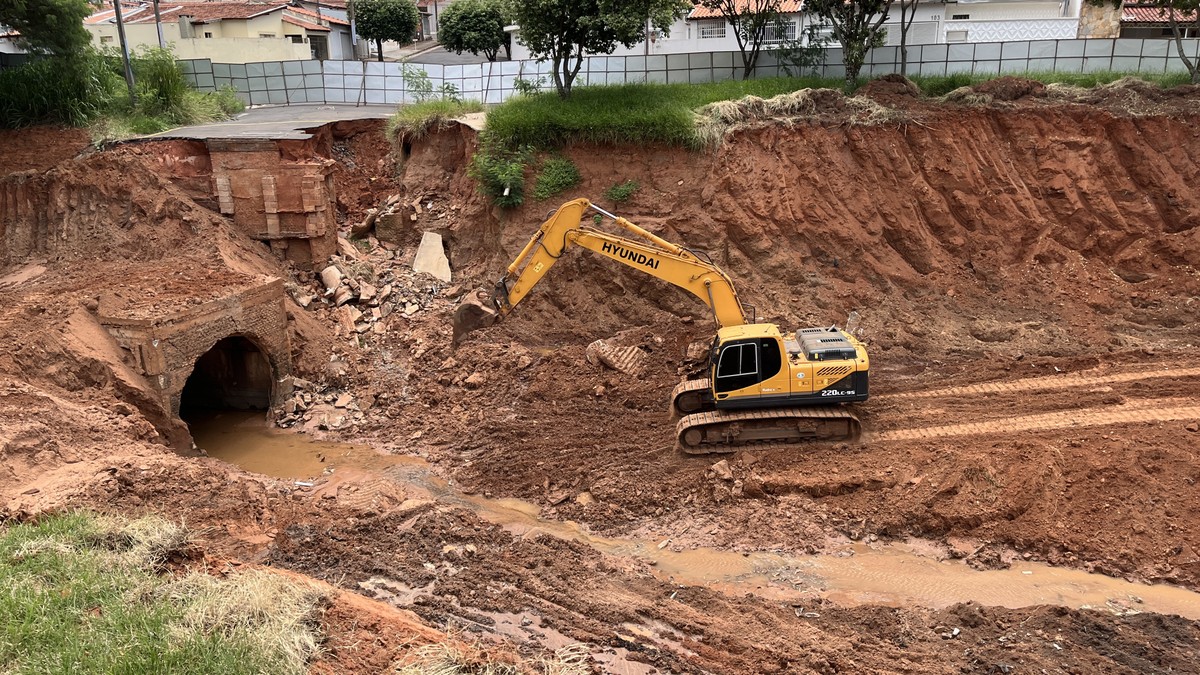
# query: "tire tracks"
1134 412
1048 383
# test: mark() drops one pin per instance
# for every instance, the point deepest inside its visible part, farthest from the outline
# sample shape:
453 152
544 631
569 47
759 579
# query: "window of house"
712 29
266 35
207 34
779 32
298 39
959 17
105 39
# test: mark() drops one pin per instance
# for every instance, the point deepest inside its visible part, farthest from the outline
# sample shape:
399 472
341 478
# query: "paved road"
440 55
279 122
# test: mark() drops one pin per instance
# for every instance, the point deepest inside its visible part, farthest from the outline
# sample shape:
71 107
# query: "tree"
381 20
857 25
1182 15
475 26
48 25
562 31
749 20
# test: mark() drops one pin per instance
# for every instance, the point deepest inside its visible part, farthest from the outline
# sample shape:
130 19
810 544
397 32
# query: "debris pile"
362 290
322 408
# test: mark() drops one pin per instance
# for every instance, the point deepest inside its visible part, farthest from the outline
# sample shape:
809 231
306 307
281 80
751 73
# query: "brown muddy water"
892 574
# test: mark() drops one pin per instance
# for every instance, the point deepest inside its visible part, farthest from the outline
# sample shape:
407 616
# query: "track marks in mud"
1056 382
1146 410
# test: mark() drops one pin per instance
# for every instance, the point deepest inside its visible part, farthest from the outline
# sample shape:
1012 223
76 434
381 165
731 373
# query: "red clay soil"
1030 270
39 148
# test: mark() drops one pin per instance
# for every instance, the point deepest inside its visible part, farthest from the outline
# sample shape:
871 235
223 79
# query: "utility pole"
125 53
162 44
353 31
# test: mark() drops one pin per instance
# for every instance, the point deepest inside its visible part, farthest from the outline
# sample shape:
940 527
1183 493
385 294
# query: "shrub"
70 90
501 175
621 192
558 174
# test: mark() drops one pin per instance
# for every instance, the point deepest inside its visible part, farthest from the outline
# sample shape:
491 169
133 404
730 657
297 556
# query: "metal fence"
285 82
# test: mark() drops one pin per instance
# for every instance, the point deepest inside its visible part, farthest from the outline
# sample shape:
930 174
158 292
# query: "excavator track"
690 397
721 431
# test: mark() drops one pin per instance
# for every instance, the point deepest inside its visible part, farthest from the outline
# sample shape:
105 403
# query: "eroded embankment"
977 245
985 250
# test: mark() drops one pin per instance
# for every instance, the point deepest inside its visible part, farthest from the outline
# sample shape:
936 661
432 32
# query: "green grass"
557 174
621 192
88 89
635 114
414 121
86 594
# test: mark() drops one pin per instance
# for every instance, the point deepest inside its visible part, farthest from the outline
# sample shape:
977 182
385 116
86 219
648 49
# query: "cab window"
738 367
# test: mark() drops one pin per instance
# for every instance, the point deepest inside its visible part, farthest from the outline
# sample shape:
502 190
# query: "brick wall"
165 349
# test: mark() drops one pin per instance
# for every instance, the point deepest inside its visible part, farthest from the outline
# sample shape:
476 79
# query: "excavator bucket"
474 312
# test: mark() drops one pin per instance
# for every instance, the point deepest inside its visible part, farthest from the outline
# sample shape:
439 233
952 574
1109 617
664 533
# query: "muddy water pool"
893 574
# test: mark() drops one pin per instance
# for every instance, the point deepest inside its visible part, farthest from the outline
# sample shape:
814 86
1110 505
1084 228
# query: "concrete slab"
431 257
278 122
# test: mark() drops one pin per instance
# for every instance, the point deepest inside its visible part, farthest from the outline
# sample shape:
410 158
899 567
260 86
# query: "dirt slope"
1027 268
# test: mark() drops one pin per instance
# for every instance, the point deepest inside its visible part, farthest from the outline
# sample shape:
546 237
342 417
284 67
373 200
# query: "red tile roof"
304 24
785 7
128 10
203 12
1137 14
326 17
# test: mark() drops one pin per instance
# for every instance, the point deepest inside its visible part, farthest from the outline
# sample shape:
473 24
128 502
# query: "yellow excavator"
762 388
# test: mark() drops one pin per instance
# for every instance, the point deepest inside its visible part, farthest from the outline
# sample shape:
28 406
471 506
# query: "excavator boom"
645 251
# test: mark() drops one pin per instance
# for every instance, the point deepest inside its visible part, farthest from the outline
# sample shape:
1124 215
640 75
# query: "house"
1144 21
431 11
8 41
229 32
704 30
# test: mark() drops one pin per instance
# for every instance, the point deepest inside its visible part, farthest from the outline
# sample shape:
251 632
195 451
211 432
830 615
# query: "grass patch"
501 175
89 89
557 174
621 192
414 121
84 594
630 113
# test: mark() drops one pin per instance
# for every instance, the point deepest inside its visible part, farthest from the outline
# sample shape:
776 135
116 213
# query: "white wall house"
934 23
228 32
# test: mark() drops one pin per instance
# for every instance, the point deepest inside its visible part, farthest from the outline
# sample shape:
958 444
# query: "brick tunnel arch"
236 373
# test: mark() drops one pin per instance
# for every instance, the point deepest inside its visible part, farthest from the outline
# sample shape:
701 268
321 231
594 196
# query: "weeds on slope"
89 89
412 122
629 113
85 594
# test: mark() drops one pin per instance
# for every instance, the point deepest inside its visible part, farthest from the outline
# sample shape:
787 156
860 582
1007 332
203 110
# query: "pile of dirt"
1010 88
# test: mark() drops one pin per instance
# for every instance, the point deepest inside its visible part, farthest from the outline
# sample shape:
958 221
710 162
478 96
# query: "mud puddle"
894 575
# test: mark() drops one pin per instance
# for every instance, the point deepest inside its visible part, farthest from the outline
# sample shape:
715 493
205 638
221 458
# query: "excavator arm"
647 252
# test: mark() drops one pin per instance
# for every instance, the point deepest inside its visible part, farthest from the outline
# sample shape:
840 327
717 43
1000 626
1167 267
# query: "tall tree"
48 25
381 20
857 25
475 26
750 20
563 31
